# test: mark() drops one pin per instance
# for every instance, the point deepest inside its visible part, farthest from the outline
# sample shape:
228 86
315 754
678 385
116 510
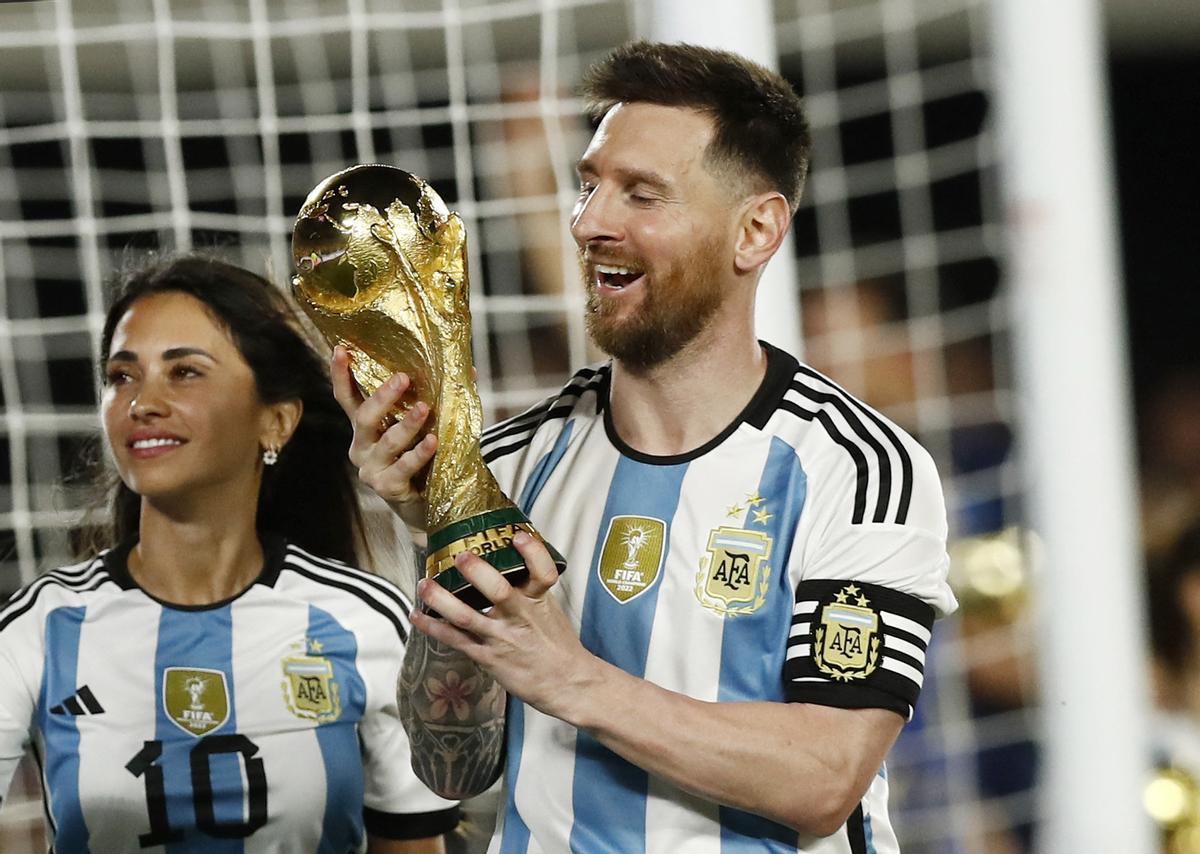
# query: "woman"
208 682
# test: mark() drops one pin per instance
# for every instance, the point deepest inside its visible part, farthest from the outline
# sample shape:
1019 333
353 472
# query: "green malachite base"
488 535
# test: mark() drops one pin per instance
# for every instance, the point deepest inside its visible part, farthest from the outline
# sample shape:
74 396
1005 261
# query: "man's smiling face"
655 229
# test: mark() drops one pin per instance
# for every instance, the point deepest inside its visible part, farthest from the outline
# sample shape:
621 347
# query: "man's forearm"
453 713
803 766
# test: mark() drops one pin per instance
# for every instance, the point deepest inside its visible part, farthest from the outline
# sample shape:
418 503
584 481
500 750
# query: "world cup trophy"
382 269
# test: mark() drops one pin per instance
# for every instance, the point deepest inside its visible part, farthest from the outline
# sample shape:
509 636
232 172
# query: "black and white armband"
855 645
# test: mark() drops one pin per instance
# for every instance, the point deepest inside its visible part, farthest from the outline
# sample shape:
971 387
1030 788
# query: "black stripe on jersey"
315 573
412 825
906 466
534 419
855 452
357 591
381 585
856 831
93 576
503 450
875 685
66 574
583 380
860 430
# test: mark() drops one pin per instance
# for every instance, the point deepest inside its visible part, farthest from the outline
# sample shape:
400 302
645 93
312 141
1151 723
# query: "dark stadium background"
1156 121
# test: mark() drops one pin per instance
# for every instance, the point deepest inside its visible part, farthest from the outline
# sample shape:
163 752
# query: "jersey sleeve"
20 656
868 586
397 805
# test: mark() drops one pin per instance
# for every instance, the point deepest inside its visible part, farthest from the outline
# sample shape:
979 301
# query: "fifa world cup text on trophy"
381 268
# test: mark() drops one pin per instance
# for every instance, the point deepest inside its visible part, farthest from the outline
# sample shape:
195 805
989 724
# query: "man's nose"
596 218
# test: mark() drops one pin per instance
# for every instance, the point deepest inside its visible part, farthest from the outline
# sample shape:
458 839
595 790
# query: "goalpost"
1074 375
162 123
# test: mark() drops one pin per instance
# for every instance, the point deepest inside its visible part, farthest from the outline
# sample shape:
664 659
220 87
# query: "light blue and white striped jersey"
267 722
799 557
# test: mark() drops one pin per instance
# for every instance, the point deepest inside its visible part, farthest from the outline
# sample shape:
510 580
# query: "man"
755 558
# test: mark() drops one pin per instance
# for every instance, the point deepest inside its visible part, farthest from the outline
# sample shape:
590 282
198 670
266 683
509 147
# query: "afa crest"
309 688
734 574
847 640
632 555
195 699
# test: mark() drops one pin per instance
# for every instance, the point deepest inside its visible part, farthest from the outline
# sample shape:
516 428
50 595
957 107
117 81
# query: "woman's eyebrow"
168 354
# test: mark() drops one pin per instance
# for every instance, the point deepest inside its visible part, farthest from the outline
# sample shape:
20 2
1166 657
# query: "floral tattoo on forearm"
453 712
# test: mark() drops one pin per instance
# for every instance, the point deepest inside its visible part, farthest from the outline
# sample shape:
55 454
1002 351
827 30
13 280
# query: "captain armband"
855 645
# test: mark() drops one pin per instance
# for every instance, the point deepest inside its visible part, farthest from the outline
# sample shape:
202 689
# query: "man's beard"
676 307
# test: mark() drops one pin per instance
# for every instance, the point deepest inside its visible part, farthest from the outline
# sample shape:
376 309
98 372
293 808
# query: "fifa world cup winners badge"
381 268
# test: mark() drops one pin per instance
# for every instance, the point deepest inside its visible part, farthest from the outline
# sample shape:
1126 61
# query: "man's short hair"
760 127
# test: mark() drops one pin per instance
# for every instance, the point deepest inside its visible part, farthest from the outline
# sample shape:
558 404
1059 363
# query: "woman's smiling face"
180 408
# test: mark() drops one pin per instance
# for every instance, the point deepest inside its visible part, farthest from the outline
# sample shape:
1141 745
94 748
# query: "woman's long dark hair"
309 494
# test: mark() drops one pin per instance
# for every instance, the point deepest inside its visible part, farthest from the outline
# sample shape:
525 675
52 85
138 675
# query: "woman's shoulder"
328 581
68 585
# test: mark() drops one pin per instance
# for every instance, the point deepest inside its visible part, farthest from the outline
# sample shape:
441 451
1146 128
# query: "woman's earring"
270 456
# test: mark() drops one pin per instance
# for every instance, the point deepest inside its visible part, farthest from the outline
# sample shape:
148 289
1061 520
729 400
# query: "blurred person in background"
216 675
1173 588
1169 433
1174 619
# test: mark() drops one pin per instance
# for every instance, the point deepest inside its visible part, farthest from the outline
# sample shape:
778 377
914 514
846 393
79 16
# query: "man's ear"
763 225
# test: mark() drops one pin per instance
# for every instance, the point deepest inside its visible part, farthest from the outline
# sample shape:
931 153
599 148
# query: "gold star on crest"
315 645
851 589
862 602
761 516
754 499
841 596
736 510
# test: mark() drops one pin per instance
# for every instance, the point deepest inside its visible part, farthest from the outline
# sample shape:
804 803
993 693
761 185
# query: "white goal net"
141 124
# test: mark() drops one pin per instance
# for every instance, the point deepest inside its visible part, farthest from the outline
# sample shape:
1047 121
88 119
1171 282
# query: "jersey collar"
781 368
116 561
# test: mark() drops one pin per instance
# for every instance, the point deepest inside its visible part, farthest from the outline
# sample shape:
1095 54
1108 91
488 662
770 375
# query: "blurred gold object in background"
991 573
381 268
1172 798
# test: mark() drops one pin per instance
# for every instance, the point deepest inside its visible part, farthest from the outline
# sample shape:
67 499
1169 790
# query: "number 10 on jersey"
144 765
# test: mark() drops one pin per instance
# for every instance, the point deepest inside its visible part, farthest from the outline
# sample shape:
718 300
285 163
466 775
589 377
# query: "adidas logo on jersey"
82 702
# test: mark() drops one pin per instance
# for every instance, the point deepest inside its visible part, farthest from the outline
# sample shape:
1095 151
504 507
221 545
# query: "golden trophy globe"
381 268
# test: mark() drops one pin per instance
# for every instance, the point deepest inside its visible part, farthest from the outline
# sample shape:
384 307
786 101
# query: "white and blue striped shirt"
798 557
267 722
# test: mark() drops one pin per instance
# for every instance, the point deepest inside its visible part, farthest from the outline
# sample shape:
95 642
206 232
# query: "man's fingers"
345 392
484 577
543 574
369 450
376 407
388 465
399 437
409 464
452 609
443 632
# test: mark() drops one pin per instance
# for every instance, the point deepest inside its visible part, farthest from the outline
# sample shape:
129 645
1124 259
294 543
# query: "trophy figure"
381 268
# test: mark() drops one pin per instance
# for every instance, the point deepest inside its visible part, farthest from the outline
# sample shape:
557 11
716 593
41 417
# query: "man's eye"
185 371
116 376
